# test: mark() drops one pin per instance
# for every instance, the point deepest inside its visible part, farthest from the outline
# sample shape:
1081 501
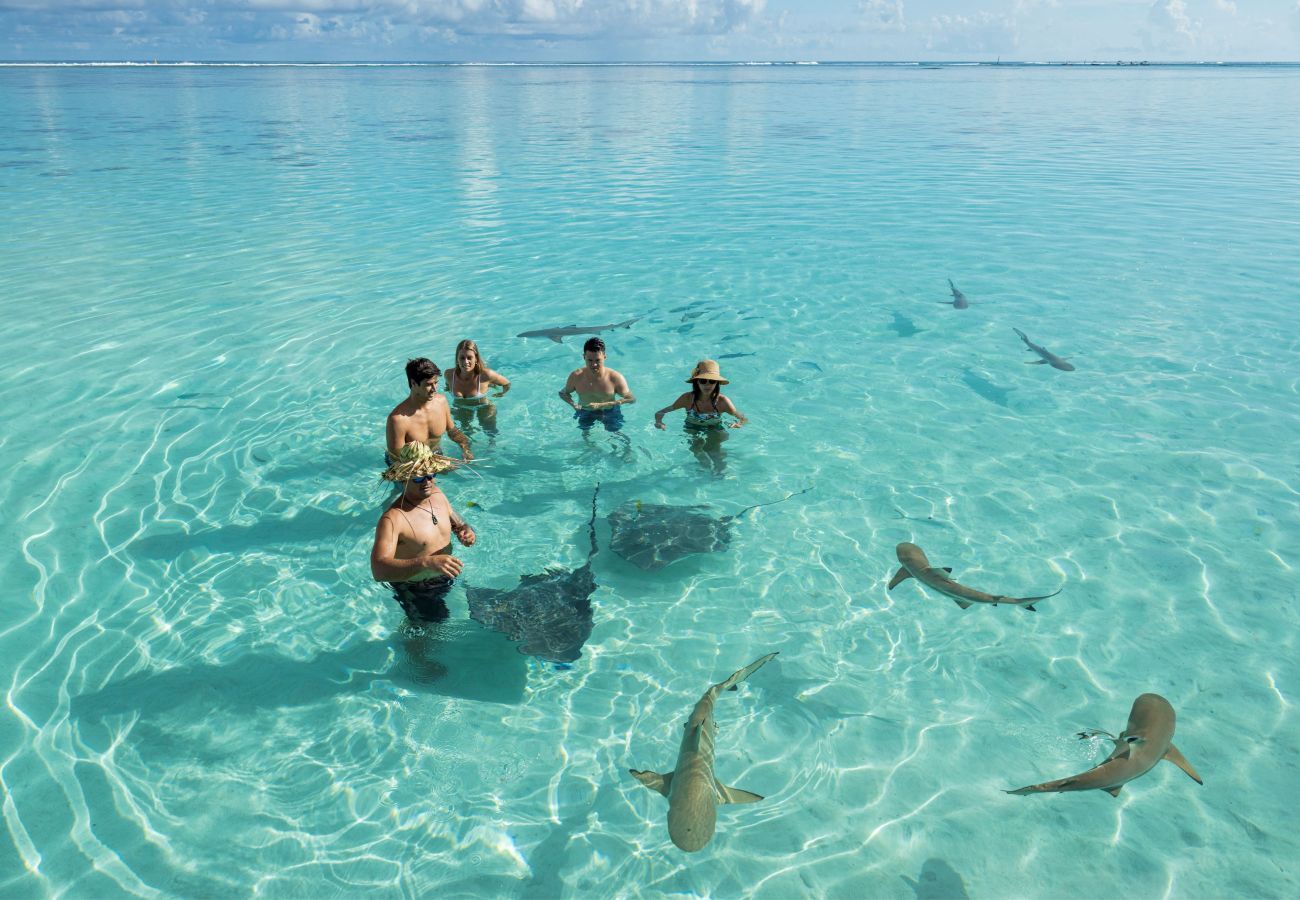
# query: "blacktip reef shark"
1147 739
692 790
916 565
1048 357
958 300
559 334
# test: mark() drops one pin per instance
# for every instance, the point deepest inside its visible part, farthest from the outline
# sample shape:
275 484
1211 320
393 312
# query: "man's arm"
393 437
456 434
459 526
622 391
568 389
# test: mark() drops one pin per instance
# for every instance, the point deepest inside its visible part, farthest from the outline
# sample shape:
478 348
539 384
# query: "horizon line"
620 63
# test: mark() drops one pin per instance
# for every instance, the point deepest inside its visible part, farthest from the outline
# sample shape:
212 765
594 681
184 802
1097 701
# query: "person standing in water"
705 406
412 548
424 416
602 392
467 385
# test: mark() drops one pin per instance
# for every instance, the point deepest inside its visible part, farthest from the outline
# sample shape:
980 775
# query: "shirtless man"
424 415
601 391
412 550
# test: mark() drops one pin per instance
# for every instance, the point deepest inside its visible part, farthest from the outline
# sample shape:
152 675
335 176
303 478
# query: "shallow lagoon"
211 279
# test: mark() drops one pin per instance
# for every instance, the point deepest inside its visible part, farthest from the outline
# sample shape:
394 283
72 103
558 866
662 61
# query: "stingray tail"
771 502
591 526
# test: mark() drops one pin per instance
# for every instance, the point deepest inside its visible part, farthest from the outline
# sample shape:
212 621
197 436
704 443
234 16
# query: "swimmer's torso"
417 533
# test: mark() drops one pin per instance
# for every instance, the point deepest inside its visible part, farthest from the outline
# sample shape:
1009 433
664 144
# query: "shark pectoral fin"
1029 607
947 569
899 577
654 780
1036 362
964 604
1114 792
1177 759
735 795
556 338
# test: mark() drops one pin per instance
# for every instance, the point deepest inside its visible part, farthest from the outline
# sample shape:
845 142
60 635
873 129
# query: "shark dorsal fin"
654 780
1177 759
735 795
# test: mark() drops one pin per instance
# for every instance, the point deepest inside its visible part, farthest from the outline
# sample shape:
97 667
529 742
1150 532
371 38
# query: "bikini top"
699 417
455 377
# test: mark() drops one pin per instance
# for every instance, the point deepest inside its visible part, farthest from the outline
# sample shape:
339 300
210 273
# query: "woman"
705 406
467 385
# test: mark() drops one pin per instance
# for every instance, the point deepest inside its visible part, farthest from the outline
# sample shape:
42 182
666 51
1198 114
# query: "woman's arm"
725 405
499 380
681 402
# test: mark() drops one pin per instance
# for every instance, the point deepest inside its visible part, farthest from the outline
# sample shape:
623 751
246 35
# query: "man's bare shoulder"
402 410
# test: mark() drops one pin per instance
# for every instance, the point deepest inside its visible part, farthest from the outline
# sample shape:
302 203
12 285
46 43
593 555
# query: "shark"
1146 739
692 790
917 565
559 334
958 300
1048 357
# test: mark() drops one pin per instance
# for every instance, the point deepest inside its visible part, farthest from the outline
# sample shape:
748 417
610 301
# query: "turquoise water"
212 277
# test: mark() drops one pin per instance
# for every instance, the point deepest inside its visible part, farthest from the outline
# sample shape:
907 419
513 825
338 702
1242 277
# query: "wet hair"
420 370
477 371
593 345
697 392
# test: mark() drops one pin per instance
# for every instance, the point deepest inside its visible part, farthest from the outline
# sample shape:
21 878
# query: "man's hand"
600 404
464 534
442 562
659 423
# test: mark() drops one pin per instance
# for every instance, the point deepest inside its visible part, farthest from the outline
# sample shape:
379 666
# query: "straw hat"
707 368
416 460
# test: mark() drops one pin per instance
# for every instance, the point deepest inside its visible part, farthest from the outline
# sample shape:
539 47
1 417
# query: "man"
412 550
424 416
601 391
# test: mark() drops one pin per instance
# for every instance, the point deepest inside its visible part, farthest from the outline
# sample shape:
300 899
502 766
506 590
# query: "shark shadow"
548 614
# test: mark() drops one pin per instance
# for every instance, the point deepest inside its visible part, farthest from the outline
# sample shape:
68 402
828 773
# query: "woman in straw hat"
705 406
412 549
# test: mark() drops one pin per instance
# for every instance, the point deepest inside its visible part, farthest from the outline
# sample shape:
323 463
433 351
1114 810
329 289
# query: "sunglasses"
421 479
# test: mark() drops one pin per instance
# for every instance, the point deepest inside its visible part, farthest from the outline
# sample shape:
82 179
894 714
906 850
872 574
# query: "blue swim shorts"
611 418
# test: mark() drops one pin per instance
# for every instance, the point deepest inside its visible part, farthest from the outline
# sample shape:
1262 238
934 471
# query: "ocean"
212 278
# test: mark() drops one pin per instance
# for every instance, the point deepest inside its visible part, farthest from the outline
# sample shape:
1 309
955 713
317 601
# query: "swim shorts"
424 601
611 418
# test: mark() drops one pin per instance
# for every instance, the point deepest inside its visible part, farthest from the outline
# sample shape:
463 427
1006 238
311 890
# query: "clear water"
212 277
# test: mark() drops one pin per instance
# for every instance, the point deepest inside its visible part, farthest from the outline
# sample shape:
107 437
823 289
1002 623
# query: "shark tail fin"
1177 759
899 577
741 674
735 795
654 780
1030 601
1022 335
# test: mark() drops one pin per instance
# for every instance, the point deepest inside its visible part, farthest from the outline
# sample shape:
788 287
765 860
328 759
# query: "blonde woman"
467 385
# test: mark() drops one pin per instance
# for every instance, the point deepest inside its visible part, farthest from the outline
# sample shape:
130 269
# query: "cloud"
981 33
1170 28
882 15
252 21
1228 6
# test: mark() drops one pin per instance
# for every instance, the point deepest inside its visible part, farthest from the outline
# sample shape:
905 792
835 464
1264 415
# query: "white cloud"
1170 17
981 33
1228 6
882 15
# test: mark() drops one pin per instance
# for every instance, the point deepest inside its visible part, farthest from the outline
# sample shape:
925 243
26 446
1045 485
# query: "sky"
649 30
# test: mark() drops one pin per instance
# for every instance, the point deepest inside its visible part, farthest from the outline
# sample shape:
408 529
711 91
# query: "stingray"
652 535
548 614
